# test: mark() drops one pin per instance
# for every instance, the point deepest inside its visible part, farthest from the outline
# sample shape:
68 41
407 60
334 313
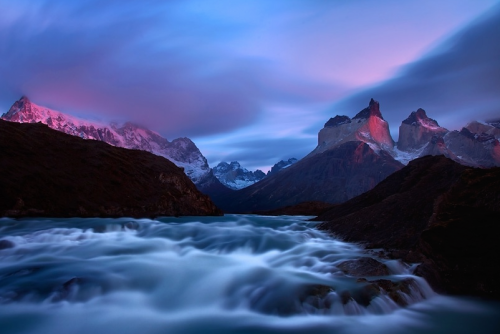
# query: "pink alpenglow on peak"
182 151
367 126
417 131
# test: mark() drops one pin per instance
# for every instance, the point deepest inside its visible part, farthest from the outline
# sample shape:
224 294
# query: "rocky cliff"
417 130
44 172
367 126
476 145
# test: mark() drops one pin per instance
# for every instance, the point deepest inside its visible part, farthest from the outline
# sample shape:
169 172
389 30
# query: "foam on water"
232 274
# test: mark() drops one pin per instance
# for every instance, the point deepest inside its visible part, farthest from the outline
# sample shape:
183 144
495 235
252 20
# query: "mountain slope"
435 212
333 176
44 172
182 151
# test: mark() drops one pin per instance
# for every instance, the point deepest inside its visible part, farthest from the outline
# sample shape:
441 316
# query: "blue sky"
252 81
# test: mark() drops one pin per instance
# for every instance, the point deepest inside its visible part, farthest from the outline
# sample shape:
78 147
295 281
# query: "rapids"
231 274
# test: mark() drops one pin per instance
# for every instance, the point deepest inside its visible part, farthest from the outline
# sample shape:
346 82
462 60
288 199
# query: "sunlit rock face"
182 151
367 126
417 130
233 176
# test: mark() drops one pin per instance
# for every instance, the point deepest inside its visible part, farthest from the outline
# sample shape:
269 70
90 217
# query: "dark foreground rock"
434 212
44 172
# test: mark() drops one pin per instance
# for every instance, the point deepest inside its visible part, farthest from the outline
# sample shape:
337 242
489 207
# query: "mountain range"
236 177
355 154
181 151
352 155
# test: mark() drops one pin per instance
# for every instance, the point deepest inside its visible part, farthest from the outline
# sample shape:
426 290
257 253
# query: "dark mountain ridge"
435 212
44 172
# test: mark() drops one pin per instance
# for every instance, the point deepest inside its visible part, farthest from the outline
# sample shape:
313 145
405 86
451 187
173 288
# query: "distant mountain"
333 176
417 130
181 151
368 126
352 156
355 154
476 145
47 173
280 166
234 176
434 212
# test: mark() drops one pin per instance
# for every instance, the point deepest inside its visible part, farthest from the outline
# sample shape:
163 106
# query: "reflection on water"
231 274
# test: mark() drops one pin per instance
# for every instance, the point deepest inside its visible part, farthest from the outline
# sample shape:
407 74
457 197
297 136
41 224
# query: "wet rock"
131 225
365 266
394 290
315 296
4 244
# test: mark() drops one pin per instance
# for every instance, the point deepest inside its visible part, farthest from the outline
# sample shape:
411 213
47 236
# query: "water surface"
231 274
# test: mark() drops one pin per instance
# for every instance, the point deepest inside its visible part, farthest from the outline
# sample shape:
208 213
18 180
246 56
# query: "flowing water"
231 274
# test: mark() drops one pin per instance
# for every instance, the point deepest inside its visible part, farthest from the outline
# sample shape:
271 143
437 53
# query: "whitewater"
230 274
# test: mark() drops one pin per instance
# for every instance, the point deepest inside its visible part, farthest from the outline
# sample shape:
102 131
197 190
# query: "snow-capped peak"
182 151
234 176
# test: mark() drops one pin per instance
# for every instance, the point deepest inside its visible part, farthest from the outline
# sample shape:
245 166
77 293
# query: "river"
230 274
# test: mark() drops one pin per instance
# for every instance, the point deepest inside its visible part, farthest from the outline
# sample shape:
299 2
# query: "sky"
252 81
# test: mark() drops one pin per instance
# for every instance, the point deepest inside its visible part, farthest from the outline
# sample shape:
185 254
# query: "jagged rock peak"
281 165
373 109
419 117
337 120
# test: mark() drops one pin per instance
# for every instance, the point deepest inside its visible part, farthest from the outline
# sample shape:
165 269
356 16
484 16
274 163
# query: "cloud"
166 65
204 69
455 83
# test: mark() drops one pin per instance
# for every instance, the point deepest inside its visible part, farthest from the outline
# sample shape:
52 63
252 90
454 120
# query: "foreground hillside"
44 172
435 212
